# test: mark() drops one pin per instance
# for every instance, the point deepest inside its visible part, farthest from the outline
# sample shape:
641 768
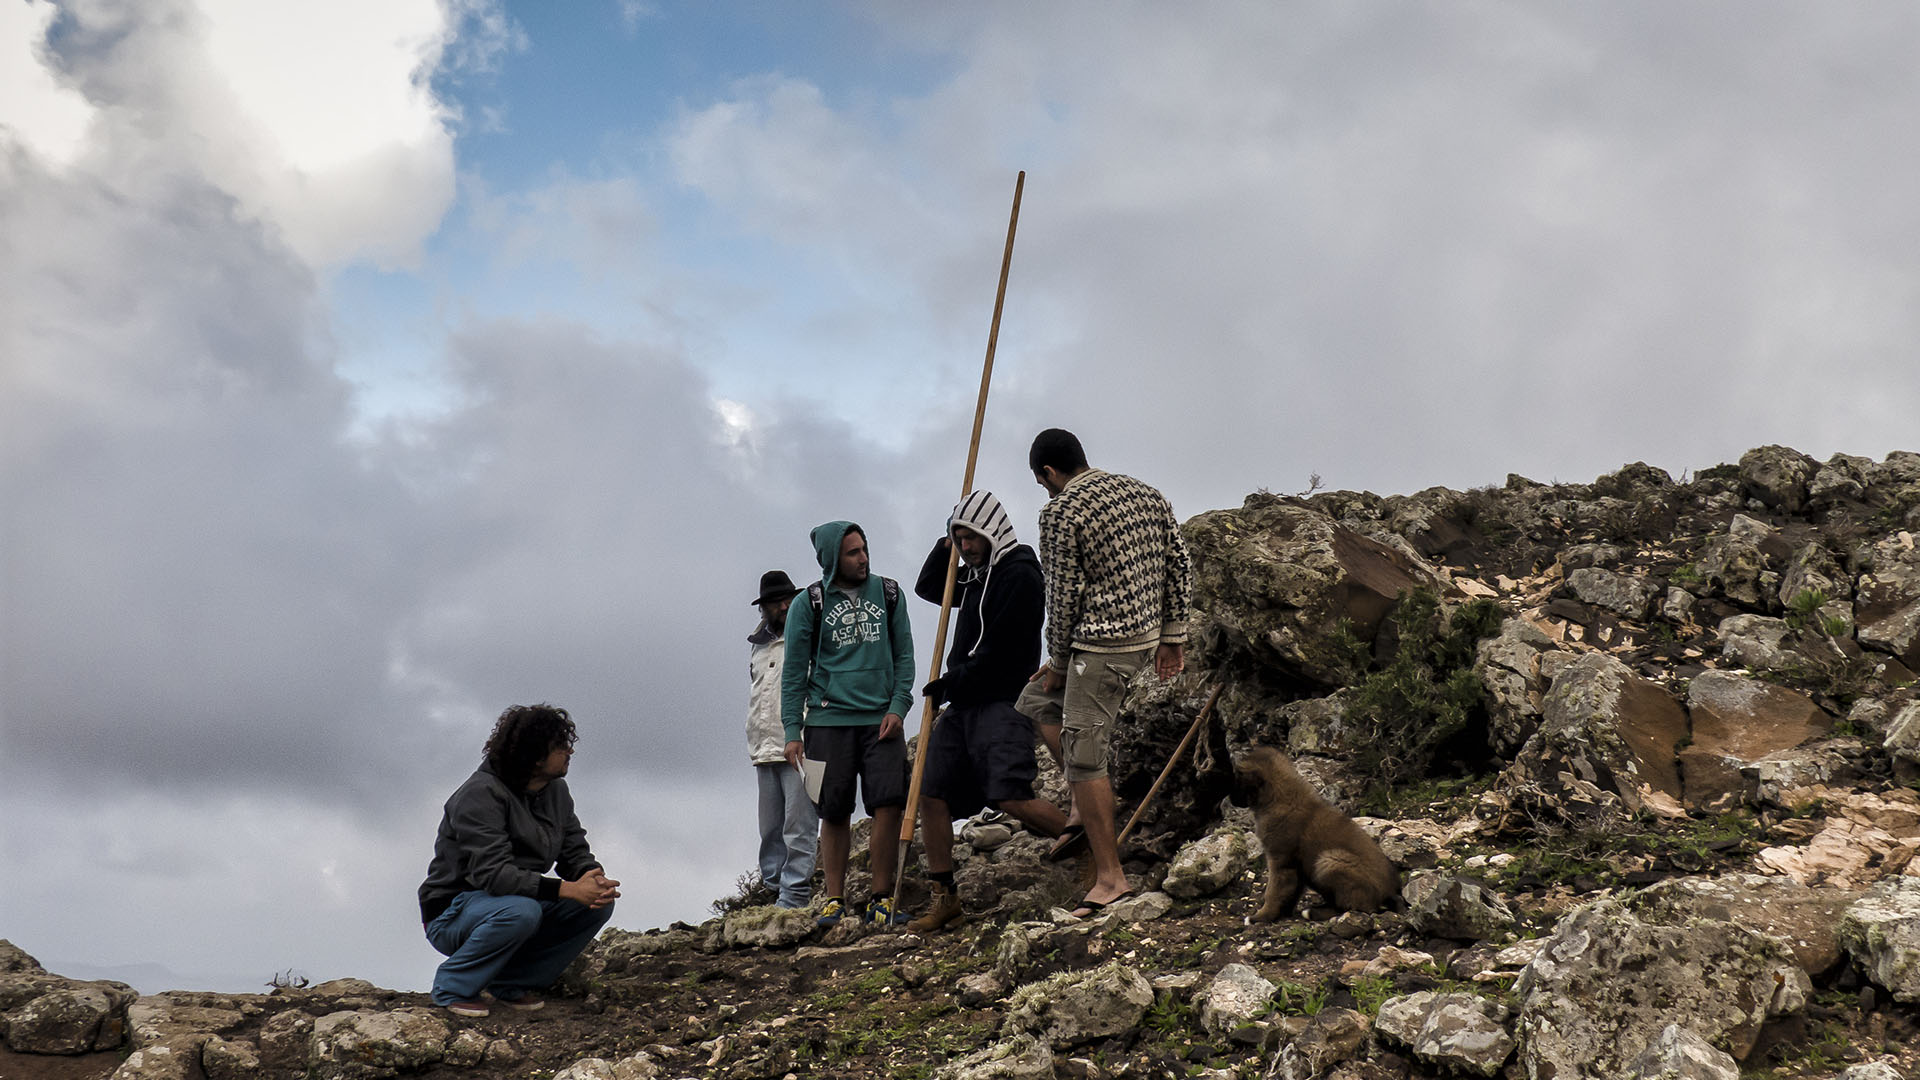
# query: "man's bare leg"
936 832
1038 814
883 847
1094 801
836 840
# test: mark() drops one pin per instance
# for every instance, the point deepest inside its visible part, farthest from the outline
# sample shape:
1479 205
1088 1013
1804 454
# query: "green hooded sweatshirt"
860 667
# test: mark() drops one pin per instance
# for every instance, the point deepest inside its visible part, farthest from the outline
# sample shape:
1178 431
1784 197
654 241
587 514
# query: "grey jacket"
498 841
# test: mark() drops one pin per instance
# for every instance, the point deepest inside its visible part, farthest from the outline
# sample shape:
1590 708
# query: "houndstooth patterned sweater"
1118 574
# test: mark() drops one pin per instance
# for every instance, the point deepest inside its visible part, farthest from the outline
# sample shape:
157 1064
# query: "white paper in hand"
816 775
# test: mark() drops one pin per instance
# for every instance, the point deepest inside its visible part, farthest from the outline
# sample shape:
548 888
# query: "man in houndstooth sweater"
1119 582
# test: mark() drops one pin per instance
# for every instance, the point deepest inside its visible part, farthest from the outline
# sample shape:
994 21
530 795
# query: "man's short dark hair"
852 528
523 737
1059 448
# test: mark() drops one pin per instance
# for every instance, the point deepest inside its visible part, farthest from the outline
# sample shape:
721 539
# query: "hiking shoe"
945 909
474 1009
830 912
886 912
526 1002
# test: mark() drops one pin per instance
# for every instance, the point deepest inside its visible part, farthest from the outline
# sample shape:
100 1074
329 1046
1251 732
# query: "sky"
368 366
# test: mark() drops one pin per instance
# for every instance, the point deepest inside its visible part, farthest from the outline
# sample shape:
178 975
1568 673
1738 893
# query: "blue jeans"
511 945
789 834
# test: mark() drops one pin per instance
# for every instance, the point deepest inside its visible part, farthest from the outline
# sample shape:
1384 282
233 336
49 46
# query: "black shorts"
980 755
856 753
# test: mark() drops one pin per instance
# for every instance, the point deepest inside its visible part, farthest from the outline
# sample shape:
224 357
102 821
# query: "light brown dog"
1305 834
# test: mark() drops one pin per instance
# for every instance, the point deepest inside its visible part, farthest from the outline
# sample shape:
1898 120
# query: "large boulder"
1075 1007
767 927
1764 643
1736 720
1731 567
1236 995
1886 607
1331 1038
1778 477
1446 905
1208 864
363 1044
1625 595
1508 666
1611 978
1882 933
1607 738
47 1014
1805 918
1281 585
1458 1033
1679 1054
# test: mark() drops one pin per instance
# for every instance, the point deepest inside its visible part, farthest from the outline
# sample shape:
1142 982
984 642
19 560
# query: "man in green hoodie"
847 682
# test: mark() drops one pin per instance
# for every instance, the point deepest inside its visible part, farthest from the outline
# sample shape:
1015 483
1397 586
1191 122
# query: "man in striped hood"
981 750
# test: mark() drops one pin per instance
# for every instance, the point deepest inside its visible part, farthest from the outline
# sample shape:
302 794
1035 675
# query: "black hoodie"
1008 601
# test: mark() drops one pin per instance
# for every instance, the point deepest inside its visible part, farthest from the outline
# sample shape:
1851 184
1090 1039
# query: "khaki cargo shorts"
1084 710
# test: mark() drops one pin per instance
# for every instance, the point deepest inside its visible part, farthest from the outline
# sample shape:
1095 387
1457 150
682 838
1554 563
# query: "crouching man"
981 750
506 929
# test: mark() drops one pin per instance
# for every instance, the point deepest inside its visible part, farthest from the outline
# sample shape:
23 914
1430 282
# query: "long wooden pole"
1192 730
953 556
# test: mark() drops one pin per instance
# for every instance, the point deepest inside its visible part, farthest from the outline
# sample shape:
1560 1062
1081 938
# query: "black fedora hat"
775 586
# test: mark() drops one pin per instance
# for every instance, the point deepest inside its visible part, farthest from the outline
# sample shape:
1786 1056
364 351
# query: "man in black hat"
789 825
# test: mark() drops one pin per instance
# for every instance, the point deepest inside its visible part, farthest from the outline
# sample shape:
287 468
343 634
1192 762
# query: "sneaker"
945 909
830 912
886 912
474 1009
525 1002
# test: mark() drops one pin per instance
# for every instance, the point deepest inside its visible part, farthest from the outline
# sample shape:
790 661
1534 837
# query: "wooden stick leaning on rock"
1178 752
953 556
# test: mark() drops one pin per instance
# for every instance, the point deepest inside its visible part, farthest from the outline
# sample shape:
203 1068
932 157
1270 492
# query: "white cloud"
37 111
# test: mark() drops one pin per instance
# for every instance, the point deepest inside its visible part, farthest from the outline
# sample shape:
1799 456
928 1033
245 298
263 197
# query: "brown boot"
944 909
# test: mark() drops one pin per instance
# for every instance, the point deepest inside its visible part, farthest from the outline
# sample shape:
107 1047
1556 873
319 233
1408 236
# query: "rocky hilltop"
1646 748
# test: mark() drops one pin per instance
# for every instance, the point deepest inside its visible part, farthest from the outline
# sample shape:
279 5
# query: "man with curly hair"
507 929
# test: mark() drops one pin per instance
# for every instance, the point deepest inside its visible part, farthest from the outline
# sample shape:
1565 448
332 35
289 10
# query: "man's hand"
935 691
795 751
1050 680
1169 660
593 889
891 725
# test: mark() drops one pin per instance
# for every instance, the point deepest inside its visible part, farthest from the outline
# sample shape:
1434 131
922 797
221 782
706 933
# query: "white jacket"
766 736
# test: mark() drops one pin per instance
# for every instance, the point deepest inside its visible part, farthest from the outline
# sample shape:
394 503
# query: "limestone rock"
233 1060
1887 603
1736 720
1333 1037
639 1066
1768 644
1075 1007
466 1049
1778 476
364 1044
175 1060
1274 581
1236 995
1022 1057
1626 596
1609 980
767 927
47 1014
1445 905
1882 933
1843 477
1208 864
1455 1032
1902 736
1508 666
159 1017
1144 907
1605 735
1866 836
1870 1070
15 959
284 1040
1814 569
1805 918
1319 725
1731 567
1678 1054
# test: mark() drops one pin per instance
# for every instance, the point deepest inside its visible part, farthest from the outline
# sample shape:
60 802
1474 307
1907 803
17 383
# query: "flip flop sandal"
1071 842
1089 908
